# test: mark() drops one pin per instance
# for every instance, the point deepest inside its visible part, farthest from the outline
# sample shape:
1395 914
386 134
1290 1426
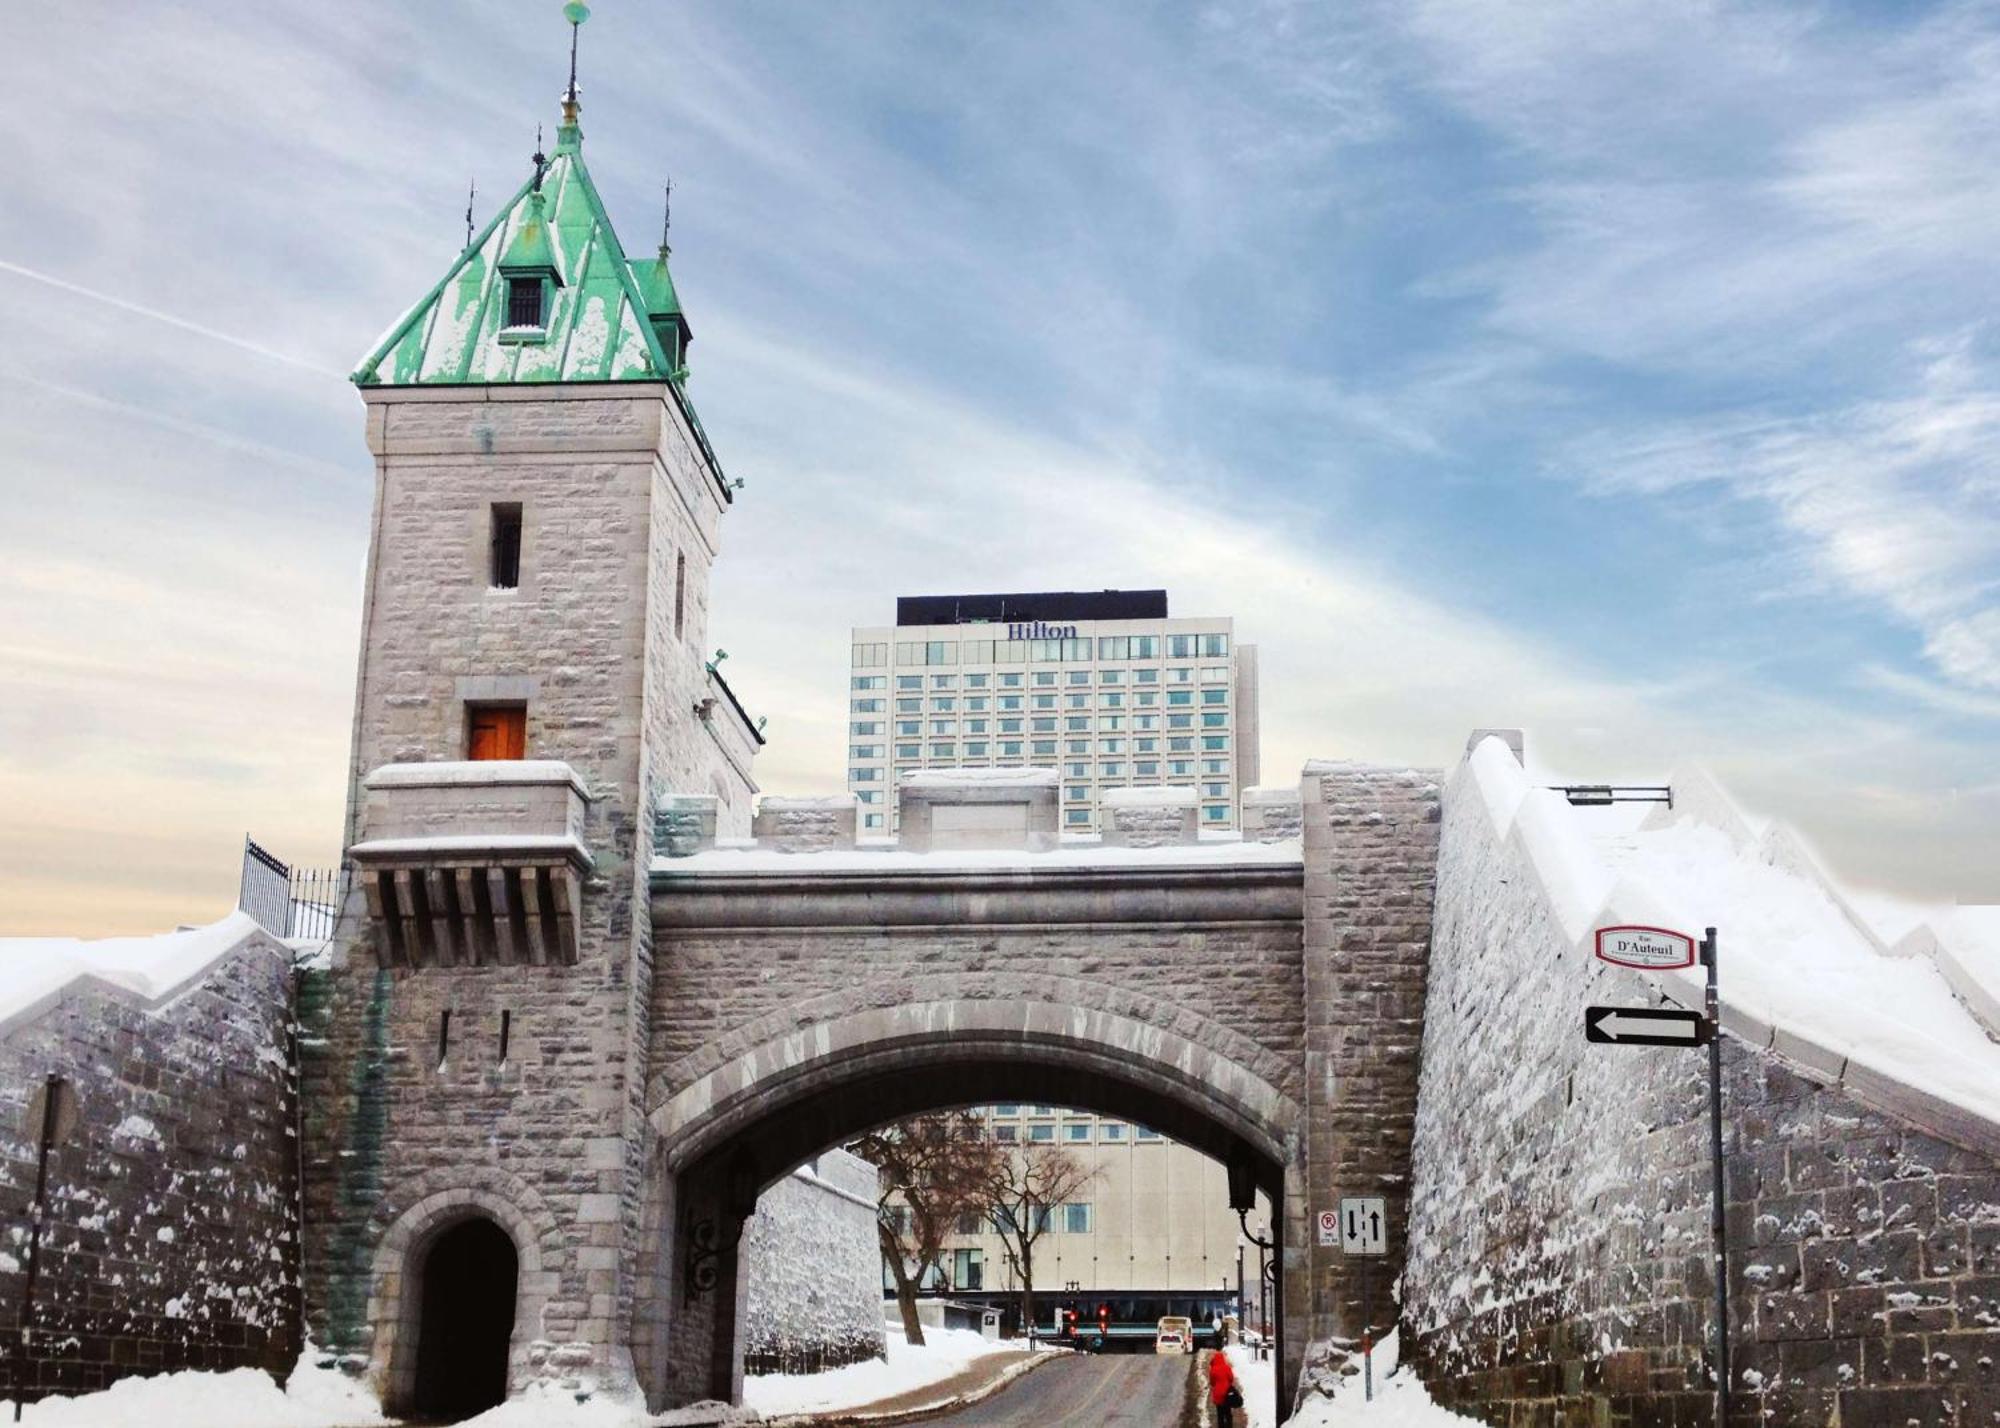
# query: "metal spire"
541 159
471 193
576 12
666 217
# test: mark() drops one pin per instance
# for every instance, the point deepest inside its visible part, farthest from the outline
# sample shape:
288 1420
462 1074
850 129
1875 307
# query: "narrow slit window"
444 1035
506 1028
680 593
505 572
496 731
524 302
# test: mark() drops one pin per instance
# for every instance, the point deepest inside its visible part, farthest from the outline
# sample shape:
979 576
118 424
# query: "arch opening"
712 1162
468 1275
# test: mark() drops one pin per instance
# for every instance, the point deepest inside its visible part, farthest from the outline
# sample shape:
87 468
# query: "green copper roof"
598 328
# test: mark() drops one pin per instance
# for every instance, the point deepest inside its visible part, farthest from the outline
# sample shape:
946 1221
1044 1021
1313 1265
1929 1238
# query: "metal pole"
1712 1006
51 1091
1368 1334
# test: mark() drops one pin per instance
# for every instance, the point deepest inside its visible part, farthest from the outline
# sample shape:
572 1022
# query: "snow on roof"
35 972
980 778
805 802
446 772
1158 796
1272 793
1801 970
1074 855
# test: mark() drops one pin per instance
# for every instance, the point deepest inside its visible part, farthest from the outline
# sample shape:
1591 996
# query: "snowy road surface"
1085 1391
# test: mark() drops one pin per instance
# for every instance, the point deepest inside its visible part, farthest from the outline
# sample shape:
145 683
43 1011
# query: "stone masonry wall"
1560 1217
1370 856
172 1237
814 1270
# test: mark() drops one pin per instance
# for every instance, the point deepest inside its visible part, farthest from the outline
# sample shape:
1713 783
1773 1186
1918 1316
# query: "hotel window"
1076 746
1044 701
1148 1133
1146 768
1076 815
1076 650
1215 813
1180 646
944 726
1076 1218
1145 746
863 775
1145 721
976 726
975 750
1214 743
1045 724
968 1266
1214 673
1009 701
1114 647
909 681
868 795
1076 701
870 656
865 751
927 652
1180 768
1149 698
1078 676
1112 769
975 681
943 703
1182 674
1111 746
1044 651
1010 748
1043 678
1214 721
496 731
1180 696
1077 770
1007 1110
909 706
1111 676
871 681
1111 722
1077 1130
1111 700
1145 647
1215 766
1077 723
941 751
1215 696
1076 792
865 727
909 728
976 703
1181 745
1146 676
909 751
1214 646
943 681
872 820
1215 790
1006 1135
1180 721
977 652
1111 1130
1010 726
867 706
1043 748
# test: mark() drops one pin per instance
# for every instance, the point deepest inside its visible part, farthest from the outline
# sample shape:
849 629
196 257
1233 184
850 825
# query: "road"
1087 1391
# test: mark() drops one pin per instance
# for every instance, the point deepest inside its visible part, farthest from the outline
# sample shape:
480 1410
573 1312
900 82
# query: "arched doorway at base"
465 1322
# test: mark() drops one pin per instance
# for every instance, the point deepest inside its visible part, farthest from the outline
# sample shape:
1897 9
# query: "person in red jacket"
1222 1387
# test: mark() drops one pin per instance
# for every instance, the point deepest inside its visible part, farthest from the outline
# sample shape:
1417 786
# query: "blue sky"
1627 372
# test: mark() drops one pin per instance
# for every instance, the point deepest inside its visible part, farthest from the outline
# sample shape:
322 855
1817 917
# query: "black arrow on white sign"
1644 1026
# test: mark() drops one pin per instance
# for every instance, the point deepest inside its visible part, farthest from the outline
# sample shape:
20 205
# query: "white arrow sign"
1644 1026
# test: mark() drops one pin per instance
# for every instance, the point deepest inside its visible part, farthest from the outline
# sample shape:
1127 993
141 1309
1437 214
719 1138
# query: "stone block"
978 809
1151 817
684 824
807 825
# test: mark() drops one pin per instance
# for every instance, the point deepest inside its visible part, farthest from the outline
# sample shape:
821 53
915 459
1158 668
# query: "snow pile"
943 1353
877 856
315 1397
543 1405
1258 1380
979 778
34 971
1170 795
1400 1401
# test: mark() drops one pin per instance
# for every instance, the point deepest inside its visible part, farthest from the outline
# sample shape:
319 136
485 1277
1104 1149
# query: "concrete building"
1103 686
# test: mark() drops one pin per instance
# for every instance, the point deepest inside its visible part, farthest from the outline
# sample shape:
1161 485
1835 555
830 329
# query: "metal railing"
289 901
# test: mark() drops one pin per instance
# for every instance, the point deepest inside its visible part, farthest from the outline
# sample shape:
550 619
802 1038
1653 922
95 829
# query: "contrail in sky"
168 318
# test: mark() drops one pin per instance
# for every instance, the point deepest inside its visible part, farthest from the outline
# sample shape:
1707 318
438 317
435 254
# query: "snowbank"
1400 1400
544 1406
36 971
1170 795
242 1398
943 1353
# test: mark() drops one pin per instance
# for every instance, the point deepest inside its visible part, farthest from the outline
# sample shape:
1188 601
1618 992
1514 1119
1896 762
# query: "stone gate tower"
533 685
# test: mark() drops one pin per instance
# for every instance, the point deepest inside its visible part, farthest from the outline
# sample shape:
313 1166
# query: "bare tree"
935 1169
1024 1191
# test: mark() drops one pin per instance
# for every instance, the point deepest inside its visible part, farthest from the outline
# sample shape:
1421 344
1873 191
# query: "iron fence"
288 901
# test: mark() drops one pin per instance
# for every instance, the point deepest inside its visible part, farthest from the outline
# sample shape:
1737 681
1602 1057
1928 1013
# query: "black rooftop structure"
1031 605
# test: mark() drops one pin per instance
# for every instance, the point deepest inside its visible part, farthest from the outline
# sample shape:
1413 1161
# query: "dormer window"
524 302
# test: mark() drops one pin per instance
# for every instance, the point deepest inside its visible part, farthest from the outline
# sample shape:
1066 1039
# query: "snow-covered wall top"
1802 973
36 973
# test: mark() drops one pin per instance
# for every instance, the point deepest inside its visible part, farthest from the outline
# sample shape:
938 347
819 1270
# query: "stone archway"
720 1139
397 1298
468 1276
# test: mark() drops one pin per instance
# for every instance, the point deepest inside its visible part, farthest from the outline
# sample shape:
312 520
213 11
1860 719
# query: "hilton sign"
1039 631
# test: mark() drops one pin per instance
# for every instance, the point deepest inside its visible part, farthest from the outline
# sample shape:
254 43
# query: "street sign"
1645 1026
1329 1228
1364 1225
52 1113
1650 949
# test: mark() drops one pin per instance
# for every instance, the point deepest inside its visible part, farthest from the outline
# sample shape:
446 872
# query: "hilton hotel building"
1103 686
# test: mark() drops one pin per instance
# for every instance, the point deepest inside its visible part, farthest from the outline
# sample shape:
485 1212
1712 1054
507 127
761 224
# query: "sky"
1624 372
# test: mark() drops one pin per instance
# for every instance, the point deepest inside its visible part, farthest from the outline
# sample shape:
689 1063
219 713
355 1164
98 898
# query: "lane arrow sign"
1645 1026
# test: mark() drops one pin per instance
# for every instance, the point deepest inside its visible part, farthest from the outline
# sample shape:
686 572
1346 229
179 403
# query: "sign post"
1712 1005
1363 1224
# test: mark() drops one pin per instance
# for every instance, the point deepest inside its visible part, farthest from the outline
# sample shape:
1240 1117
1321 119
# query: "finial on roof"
471 193
576 12
666 218
541 160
